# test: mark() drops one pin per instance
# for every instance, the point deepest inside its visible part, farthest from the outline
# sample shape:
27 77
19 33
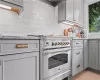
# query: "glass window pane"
94 17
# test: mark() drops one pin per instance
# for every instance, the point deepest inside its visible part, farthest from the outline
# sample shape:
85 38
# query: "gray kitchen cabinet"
85 53
20 66
71 11
65 11
77 56
77 61
93 54
78 11
77 66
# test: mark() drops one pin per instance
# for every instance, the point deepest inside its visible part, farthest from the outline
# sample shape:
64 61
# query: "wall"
37 18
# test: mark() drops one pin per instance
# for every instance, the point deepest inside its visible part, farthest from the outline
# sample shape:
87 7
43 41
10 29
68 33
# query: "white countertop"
2 37
80 38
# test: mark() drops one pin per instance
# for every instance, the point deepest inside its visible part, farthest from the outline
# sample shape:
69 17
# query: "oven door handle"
47 53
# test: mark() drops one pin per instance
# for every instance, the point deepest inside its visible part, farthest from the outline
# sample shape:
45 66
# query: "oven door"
55 62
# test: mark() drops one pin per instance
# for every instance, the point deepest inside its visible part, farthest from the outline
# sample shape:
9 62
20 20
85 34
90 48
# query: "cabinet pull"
21 45
78 66
77 43
78 53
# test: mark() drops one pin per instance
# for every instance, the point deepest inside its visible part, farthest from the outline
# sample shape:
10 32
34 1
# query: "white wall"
37 18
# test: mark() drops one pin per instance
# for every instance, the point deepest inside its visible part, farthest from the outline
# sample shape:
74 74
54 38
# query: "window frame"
86 15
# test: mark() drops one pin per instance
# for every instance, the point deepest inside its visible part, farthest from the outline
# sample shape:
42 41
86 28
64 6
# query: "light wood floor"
87 75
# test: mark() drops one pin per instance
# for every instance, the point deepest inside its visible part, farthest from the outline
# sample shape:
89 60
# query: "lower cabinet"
77 57
77 67
77 61
20 66
93 54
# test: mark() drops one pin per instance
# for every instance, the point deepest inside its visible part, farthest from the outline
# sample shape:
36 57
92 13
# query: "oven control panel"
60 43
51 44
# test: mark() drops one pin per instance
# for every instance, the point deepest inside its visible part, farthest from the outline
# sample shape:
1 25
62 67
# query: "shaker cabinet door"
78 11
20 67
65 11
93 54
69 10
61 12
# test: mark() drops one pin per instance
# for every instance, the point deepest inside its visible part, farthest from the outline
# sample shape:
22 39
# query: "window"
94 17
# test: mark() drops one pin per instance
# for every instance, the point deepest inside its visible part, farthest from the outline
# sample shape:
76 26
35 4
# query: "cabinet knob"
78 53
59 69
78 66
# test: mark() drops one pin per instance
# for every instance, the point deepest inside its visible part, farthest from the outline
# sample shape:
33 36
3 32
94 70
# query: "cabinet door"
61 12
20 67
85 54
93 54
78 11
69 10
65 11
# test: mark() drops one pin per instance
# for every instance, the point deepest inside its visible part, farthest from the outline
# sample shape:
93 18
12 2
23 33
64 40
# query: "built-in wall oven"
56 59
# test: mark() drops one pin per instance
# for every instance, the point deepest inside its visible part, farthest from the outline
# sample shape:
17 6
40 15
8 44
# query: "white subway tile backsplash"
37 18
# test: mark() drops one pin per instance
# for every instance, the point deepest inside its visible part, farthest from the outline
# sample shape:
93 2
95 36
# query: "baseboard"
93 70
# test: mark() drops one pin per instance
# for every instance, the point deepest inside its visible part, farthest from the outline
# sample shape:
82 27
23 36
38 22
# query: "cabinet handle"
21 45
78 53
77 43
78 66
59 69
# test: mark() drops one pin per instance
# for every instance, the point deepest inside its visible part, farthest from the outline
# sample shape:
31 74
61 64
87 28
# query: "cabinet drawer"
18 46
77 54
77 43
77 66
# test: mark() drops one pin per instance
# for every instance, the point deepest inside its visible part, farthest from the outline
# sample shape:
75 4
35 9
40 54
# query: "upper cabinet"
78 11
71 11
65 11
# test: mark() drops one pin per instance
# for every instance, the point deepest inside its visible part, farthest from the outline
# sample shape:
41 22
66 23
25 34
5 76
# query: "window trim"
86 15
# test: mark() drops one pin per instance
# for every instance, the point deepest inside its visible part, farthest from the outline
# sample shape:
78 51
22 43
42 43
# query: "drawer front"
78 43
77 67
18 46
60 76
77 54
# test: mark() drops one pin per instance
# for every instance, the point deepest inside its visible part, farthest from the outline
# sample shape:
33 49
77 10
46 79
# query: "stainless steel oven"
55 61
